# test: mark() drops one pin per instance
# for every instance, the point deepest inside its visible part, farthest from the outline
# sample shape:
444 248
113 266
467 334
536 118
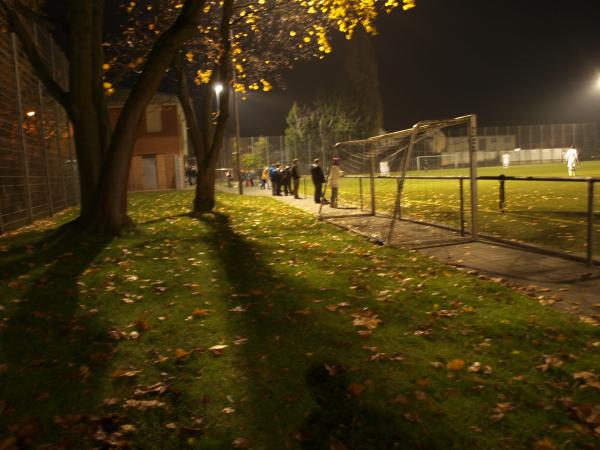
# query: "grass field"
260 327
548 214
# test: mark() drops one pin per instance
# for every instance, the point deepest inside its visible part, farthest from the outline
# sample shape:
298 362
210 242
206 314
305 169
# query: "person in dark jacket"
286 180
295 178
318 178
275 176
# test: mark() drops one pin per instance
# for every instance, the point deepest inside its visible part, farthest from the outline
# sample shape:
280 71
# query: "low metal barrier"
502 182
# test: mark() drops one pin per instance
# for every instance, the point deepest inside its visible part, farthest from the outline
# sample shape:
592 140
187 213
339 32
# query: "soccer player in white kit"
505 160
571 159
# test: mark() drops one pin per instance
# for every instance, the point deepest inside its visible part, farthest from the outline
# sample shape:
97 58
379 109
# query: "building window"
154 119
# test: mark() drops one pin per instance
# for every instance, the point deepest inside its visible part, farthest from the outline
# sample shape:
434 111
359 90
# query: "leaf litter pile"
258 327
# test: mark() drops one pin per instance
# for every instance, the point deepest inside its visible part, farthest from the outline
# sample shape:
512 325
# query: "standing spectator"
286 180
571 158
228 177
189 174
318 178
264 179
295 178
275 177
194 174
334 181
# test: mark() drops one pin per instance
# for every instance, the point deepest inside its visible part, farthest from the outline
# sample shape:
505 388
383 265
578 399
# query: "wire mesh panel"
38 170
413 174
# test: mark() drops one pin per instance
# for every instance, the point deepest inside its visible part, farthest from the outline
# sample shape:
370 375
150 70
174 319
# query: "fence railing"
579 207
38 170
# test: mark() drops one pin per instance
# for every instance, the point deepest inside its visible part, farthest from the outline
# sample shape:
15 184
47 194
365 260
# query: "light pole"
236 112
218 88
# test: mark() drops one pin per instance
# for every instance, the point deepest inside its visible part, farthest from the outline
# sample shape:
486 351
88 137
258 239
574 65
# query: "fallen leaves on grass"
355 389
181 353
124 373
366 319
500 411
455 365
589 379
550 361
143 404
218 350
156 388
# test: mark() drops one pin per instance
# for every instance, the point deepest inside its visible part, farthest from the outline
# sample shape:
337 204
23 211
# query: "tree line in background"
243 45
348 105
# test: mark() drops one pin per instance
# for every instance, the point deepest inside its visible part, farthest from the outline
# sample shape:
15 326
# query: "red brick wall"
164 144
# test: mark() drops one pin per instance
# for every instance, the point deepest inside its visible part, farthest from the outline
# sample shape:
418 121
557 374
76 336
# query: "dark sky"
510 62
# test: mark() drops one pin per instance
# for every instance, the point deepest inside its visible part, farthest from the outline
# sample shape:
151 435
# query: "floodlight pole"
473 167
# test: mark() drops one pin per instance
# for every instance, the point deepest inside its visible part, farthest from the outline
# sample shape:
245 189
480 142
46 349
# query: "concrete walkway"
565 284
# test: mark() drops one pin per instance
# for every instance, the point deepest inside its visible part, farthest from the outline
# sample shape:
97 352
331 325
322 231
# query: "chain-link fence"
258 152
534 144
38 169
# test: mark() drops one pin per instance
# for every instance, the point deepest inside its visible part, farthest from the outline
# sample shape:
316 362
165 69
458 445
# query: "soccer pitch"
544 213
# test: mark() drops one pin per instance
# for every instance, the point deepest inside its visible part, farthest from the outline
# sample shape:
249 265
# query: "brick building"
161 146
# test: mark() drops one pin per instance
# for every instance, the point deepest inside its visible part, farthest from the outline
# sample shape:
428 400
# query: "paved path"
565 284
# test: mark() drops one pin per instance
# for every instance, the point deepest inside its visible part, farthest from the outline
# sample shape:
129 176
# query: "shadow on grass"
291 395
53 350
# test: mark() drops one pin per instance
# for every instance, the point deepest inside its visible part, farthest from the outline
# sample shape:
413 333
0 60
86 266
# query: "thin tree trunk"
207 140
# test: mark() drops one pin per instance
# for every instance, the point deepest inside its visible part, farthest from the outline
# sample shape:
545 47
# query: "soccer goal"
375 172
434 162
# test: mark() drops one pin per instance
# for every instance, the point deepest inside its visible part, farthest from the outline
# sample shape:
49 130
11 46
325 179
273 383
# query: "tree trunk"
204 201
110 204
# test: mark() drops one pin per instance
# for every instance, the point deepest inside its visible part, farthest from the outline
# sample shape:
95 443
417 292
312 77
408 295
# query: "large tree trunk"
204 201
104 158
110 204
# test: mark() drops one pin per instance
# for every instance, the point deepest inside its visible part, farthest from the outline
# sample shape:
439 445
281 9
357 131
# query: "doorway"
149 172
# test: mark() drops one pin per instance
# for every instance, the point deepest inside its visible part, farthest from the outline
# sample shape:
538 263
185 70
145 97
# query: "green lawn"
259 327
548 214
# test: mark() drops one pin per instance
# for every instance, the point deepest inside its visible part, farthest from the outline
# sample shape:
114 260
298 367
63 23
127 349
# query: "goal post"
450 143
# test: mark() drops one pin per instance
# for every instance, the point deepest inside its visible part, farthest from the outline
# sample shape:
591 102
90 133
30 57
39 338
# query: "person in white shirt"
571 159
505 160
334 181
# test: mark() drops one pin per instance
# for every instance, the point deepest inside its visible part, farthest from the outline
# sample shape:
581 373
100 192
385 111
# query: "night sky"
510 62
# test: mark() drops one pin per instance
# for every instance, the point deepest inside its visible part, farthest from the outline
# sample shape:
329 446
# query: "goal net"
435 162
383 177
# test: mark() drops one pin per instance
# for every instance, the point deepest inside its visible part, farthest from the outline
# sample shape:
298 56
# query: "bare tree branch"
17 26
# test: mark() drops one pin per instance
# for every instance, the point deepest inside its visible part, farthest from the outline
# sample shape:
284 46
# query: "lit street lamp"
218 87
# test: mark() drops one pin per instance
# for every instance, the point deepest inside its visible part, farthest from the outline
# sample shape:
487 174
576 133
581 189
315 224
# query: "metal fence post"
501 193
360 190
590 230
43 132
462 205
399 189
372 177
473 163
22 130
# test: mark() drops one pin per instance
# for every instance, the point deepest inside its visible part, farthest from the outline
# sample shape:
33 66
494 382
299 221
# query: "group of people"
318 179
286 178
